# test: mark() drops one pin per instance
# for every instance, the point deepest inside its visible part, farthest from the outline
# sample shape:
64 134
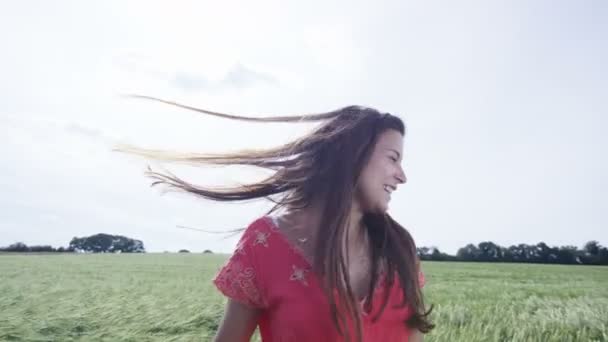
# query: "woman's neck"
309 219
357 235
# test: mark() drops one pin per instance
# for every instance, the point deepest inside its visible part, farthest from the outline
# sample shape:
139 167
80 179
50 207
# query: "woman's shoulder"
260 223
273 238
257 232
264 235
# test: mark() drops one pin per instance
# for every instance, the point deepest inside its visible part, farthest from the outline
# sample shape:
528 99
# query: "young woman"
327 263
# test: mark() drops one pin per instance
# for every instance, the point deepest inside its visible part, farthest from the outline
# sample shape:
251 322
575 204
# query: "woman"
327 263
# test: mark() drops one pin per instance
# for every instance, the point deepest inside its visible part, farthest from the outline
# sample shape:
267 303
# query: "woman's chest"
302 309
294 290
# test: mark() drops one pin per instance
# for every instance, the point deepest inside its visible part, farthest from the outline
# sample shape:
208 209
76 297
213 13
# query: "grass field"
169 297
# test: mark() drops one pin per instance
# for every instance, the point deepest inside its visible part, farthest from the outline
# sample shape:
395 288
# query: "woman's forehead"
391 139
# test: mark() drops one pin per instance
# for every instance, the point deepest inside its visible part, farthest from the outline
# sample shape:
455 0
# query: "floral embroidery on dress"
299 274
238 281
261 238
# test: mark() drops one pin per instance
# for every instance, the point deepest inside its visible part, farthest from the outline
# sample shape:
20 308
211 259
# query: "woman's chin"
380 208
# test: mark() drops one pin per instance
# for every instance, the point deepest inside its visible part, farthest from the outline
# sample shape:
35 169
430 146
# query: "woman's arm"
238 324
416 336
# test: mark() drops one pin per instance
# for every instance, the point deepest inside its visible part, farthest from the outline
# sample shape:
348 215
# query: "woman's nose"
401 176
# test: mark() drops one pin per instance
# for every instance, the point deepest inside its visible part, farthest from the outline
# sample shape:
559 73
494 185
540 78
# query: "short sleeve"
239 278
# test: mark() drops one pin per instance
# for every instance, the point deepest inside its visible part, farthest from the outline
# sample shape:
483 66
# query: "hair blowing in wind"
334 153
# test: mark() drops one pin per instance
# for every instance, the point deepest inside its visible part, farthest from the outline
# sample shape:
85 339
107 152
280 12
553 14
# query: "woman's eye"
393 159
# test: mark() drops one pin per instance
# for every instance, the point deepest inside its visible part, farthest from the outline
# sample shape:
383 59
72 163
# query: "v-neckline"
275 227
308 264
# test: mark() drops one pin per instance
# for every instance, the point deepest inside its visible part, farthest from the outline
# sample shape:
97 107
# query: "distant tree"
207 251
22 247
106 243
507 256
594 253
433 253
603 256
515 253
184 251
469 252
16 247
42 249
546 254
592 248
437 255
567 255
532 253
424 253
524 253
489 251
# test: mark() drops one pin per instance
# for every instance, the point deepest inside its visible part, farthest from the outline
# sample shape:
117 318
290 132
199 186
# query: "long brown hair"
334 153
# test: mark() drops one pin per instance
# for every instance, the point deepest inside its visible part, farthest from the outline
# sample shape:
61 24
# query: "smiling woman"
328 262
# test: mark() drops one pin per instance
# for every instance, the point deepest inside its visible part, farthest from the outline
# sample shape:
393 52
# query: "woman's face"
380 177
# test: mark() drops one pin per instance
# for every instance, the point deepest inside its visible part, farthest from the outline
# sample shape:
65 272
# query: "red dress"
268 273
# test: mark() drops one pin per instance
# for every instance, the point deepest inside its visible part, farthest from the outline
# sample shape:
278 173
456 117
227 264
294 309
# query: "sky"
505 102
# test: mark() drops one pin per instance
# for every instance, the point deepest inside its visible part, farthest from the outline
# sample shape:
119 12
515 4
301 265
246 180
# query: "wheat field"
169 297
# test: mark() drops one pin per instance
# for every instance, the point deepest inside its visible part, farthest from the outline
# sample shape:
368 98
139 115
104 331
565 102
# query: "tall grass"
169 297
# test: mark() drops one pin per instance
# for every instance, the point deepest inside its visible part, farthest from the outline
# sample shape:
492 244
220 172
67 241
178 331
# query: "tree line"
592 253
98 243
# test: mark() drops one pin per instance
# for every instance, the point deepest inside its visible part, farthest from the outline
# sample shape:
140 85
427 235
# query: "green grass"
518 302
169 297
